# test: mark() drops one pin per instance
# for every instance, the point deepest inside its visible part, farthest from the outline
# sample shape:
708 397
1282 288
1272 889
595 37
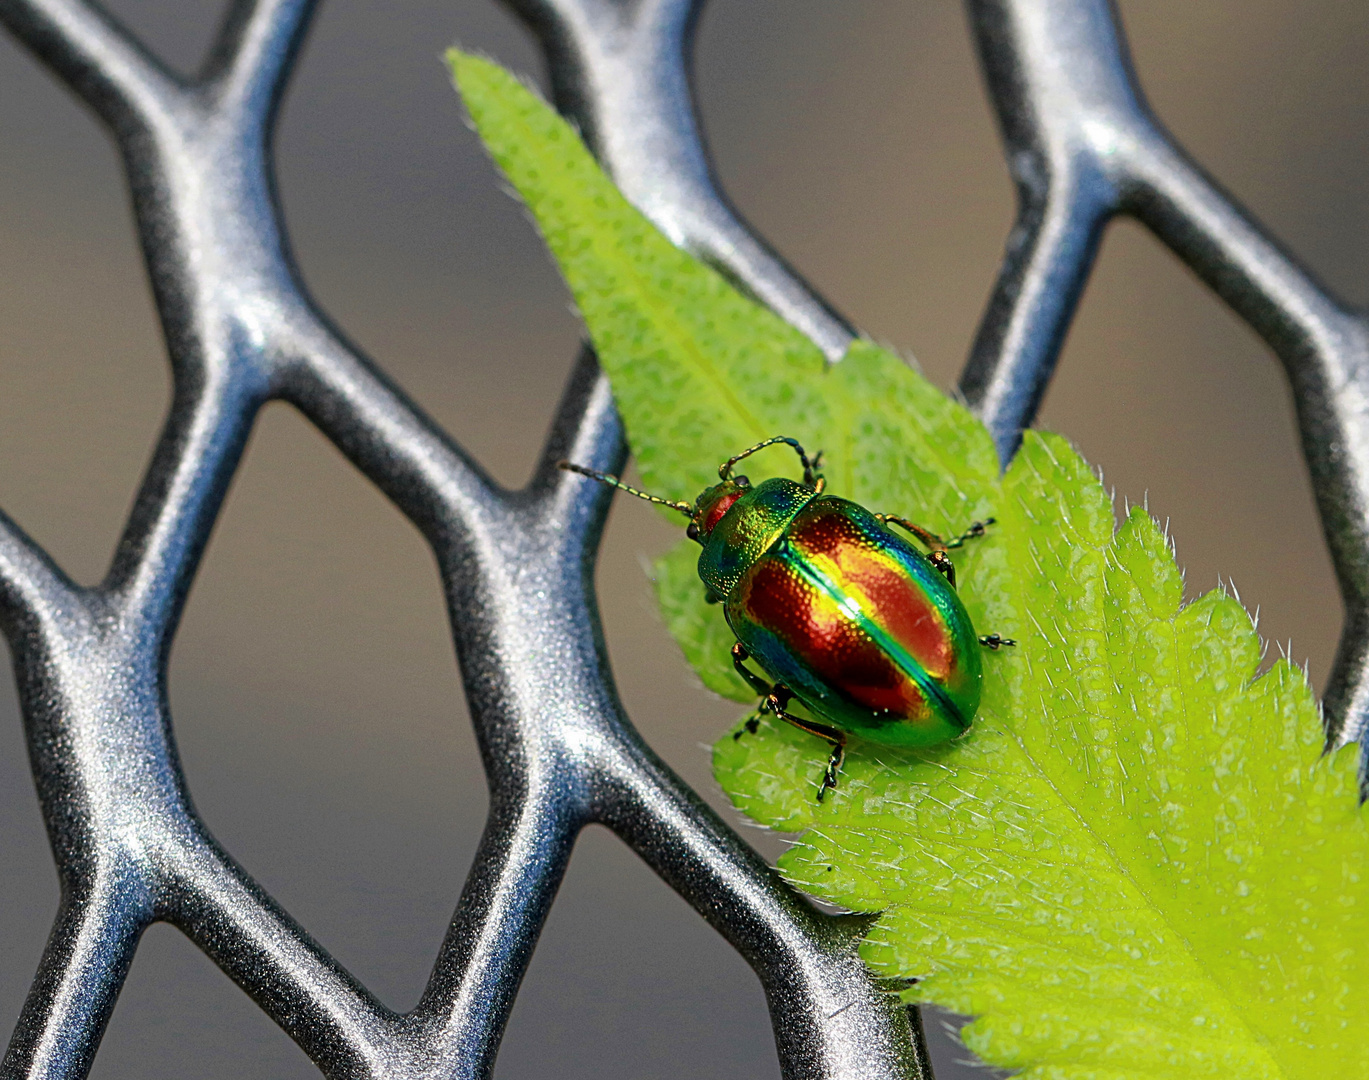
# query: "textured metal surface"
517 566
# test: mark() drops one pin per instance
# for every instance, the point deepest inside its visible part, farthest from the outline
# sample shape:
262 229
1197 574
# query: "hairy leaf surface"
1138 863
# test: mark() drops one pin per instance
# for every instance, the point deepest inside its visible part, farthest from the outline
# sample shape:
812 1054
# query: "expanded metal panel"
517 565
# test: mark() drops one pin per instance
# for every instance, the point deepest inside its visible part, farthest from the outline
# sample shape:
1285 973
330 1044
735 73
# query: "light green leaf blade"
1137 864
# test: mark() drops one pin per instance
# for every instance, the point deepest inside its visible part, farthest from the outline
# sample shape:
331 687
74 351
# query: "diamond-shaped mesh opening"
628 982
401 235
83 382
319 712
179 1018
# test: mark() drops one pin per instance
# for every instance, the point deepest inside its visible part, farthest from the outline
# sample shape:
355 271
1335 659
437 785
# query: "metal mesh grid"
558 752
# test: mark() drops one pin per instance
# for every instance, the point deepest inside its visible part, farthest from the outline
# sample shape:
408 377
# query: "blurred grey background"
316 701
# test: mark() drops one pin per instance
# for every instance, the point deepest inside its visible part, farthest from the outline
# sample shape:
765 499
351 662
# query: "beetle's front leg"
929 539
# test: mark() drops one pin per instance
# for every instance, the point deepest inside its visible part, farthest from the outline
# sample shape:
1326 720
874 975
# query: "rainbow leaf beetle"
844 615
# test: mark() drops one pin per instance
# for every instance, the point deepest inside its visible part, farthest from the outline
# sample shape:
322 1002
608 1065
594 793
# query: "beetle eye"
742 481
693 531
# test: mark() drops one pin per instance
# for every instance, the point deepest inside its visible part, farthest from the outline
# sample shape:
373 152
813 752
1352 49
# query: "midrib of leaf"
1122 867
702 365
841 422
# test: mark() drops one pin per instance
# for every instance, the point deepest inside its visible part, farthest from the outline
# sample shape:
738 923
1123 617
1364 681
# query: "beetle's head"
710 507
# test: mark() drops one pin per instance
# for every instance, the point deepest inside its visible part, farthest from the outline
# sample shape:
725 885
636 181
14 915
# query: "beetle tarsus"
829 779
995 642
976 530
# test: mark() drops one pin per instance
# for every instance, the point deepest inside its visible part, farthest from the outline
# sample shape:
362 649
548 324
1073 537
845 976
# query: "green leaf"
1138 863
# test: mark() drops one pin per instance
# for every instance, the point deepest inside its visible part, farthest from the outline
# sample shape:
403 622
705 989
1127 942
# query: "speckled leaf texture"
1138 863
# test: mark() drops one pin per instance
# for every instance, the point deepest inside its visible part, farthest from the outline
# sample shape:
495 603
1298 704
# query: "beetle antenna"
810 466
613 481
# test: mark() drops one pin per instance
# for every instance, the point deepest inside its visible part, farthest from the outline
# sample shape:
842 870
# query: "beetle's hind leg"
739 658
775 704
776 698
763 688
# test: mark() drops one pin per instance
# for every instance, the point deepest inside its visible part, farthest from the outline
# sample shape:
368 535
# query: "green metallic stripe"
908 663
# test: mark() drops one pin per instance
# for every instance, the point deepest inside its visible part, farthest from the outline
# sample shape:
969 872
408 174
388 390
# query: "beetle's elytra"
844 615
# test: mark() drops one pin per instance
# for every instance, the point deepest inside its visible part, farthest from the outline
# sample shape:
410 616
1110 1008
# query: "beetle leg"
829 779
936 553
942 562
776 698
995 642
766 691
776 702
929 538
974 532
739 658
936 547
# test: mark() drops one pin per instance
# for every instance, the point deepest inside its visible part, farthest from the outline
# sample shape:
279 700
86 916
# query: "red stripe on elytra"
827 640
895 600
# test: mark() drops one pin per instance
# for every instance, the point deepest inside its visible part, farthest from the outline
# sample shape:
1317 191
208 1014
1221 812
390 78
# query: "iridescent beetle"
862 628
